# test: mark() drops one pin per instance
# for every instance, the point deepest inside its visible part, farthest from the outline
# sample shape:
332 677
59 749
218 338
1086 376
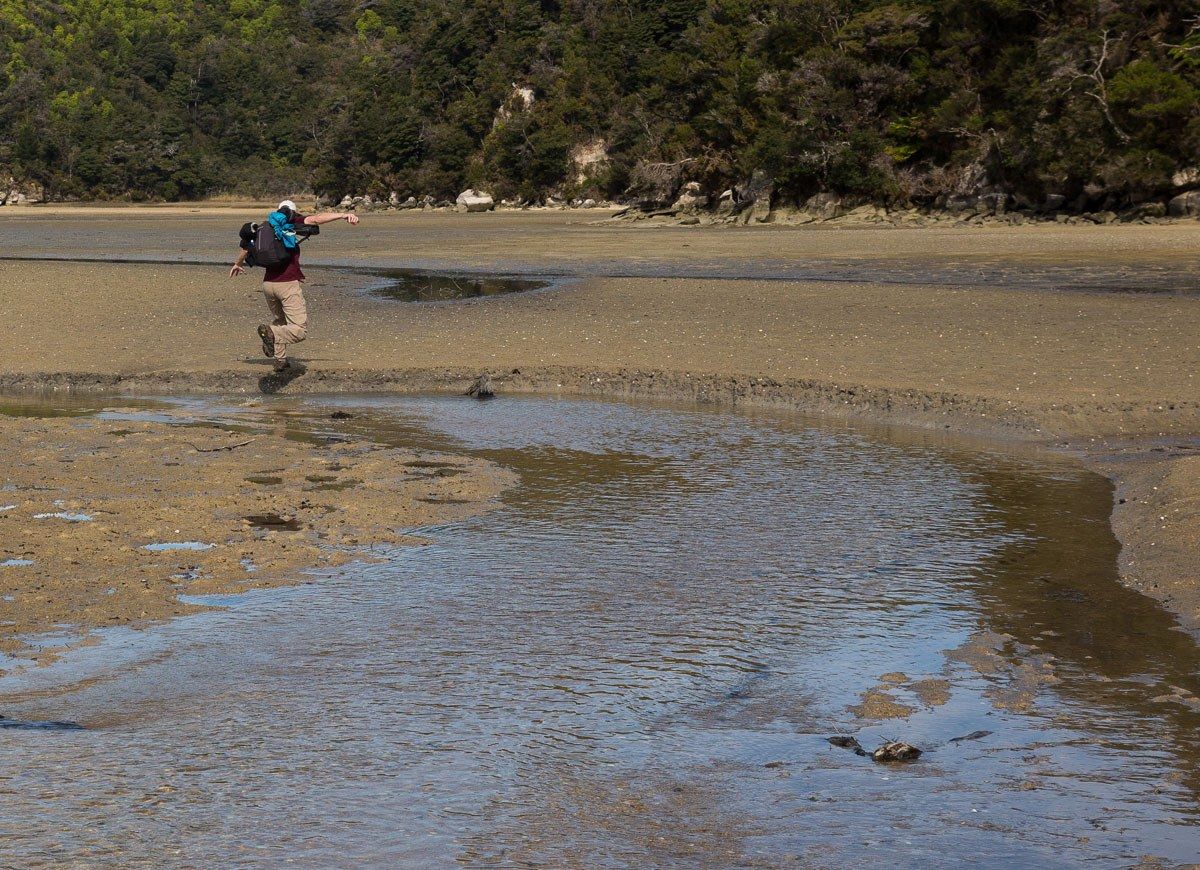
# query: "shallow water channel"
637 661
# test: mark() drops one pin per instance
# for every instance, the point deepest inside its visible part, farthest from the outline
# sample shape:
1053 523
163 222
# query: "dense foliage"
900 100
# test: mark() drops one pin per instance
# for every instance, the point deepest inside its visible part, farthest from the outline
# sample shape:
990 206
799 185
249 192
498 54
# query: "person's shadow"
276 381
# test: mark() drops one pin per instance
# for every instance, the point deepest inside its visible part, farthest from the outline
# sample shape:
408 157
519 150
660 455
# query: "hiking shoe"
283 365
268 339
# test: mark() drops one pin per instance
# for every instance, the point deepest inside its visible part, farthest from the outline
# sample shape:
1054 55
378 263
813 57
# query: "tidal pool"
410 285
66 516
167 546
637 661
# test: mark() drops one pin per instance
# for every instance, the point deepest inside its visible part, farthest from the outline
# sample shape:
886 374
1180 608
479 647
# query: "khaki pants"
290 315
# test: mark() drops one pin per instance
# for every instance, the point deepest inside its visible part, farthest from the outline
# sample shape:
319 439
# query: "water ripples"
599 670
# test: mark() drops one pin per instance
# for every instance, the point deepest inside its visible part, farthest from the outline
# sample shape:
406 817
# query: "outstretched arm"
328 217
238 265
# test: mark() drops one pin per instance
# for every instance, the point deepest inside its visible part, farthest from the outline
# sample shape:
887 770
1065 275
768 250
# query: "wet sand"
107 520
995 330
585 242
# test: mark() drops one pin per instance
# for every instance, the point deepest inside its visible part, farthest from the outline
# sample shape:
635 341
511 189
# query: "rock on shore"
472 200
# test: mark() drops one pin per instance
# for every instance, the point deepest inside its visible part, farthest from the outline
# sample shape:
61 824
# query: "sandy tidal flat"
1013 331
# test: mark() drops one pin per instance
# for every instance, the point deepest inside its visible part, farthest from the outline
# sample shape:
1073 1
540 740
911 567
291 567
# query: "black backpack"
262 247
268 249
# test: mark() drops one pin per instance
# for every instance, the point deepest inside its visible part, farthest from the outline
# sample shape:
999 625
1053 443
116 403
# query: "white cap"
287 203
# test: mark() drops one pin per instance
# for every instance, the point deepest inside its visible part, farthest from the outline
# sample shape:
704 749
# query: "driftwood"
200 449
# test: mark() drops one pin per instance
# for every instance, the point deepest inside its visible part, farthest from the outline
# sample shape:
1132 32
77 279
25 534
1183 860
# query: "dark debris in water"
341 415
1072 596
482 388
889 752
841 741
974 735
895 750
49 725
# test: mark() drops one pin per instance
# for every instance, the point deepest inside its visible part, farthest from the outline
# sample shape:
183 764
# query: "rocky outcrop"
663 191
589 160
656 185
1145 210
824 206
472 200
1185 205
1053 202
1187 177
365 202
754 197
691 199
520 99
13 192
992 203
755 202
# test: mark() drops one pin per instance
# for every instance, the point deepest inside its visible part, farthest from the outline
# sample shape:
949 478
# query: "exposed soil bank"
1157 519
1107 374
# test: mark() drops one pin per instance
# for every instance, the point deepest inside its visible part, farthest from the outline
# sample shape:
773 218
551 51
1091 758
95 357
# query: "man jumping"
282 287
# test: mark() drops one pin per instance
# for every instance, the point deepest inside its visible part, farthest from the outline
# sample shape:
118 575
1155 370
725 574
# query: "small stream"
638 661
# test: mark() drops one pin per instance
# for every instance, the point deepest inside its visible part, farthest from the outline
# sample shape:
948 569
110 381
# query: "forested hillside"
1093 100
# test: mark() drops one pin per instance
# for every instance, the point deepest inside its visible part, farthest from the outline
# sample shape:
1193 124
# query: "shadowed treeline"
1093 104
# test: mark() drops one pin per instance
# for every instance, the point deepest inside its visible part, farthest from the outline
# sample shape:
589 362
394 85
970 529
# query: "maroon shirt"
289 271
